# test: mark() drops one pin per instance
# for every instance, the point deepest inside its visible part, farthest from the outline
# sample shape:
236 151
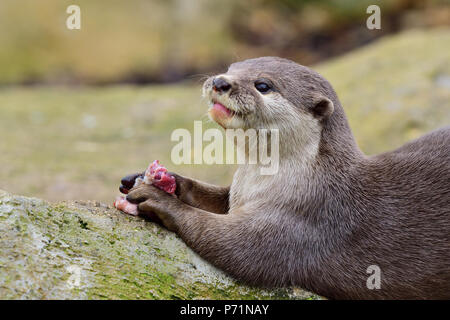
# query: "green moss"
117 256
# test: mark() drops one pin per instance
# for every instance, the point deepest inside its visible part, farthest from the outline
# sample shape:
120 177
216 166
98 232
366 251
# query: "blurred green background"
81 108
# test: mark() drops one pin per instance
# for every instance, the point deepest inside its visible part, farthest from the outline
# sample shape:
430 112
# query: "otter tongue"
221 108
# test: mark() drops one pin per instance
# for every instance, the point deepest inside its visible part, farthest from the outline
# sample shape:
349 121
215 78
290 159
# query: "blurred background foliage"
79 109
142 41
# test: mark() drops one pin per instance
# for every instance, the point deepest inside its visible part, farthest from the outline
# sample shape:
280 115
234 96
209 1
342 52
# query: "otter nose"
220 85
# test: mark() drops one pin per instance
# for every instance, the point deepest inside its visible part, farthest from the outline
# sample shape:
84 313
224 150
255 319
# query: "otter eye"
262 87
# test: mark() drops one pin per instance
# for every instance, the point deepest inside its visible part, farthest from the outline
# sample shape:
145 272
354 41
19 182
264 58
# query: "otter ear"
323 108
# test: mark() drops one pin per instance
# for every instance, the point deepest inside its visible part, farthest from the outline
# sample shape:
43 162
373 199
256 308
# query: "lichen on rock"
88 250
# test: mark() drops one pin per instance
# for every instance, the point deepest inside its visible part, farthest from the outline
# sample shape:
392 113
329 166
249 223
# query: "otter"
330 212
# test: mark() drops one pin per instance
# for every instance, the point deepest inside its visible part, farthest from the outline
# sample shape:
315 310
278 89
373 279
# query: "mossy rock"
88 250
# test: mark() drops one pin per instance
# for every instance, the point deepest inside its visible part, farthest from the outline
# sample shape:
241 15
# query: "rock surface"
88 250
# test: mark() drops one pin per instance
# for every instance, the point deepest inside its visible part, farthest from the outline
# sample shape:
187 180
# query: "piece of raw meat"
157 175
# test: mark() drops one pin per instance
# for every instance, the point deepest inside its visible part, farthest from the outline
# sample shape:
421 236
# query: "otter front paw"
151 199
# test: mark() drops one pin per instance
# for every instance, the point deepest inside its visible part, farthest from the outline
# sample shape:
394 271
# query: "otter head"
267 91
271 92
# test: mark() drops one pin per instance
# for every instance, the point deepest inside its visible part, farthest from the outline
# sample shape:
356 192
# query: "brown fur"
320 226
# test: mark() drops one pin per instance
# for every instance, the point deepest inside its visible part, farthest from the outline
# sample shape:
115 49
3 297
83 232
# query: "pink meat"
157 175
123 205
